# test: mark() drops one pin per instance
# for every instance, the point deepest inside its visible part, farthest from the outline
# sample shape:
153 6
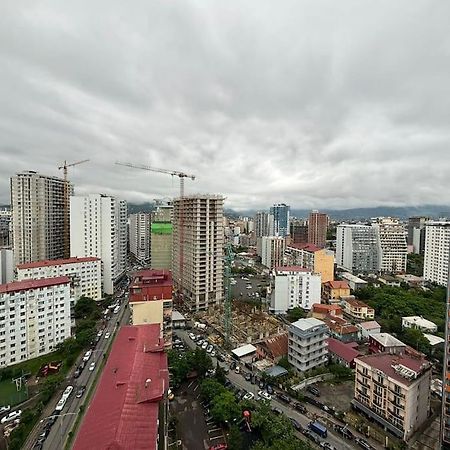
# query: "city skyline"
322 104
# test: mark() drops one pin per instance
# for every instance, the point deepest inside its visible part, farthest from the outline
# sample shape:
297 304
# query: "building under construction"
198 240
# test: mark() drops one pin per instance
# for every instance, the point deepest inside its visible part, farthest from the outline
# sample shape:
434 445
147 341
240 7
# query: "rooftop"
152 278
291 269
387 340
277 345
325 308
124 412
345 351
370 325
307 247
340 326
401 368
357 303
350 277
25 285
337 284
244 350
307 324
420 321
434 340
56 262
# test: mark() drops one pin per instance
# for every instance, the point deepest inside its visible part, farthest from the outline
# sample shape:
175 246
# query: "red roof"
150 285
152 277
385 361
277 345
357 303
16 286
319 307
124 412
55 262
343 351
291 269
339 325
308 247
337 284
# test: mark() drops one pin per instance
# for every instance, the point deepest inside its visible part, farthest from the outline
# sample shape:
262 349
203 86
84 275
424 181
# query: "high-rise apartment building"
357 248
317 228
98 227
6 265
5 228
295 287
139 231
263 224
162 236
445 412
36 318
39 214
299 232
416 233
198 268
436 254
392 242
272 251
280 213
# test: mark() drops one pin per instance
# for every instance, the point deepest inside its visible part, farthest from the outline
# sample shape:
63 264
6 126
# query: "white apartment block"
272 251
357 248
98 228
295 287
39 214
198 270
34 318
264 224
394 390
85 274
6 265
307 345
393 246
436 256
140 236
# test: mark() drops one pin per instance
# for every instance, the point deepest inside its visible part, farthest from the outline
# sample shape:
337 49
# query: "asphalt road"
64 423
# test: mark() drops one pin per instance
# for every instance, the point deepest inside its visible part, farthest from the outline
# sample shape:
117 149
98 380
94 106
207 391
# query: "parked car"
205 345
11 416
249 396
92 366
277 411
107 335
284 398
269 389
80 392
313 390
87 355
262 384
301 408
192 336
209 349
4 409
344 431
327 446
248 376
219 447
297 425
363 444
99 334
77 372
213 353
264 395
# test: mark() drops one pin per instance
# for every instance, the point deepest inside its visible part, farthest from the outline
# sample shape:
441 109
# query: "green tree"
225 408
415 338
284 362
295 314
210 388
235 439
84 307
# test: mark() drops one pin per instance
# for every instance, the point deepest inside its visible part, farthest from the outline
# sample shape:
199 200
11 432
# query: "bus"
318 428
62 401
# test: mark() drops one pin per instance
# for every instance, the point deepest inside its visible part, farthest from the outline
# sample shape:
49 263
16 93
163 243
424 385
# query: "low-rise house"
357 309
245 353
178 320
343 353
368 328
353 281
385 343
273 348
420 323
333 291
320 311
341 329
389 280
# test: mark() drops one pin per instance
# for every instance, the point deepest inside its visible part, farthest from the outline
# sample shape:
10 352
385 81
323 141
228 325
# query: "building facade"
333 291
139 236
85 274
298 231
295 287
98 228
393 390
436 255
307 347
317 228
416 233
357 309
263 224
35 317
272 251
198 270
161 238
357 248
6 265
280 213
40 213
5 228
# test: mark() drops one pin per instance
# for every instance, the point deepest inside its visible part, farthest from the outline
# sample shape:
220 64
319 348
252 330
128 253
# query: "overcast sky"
315 103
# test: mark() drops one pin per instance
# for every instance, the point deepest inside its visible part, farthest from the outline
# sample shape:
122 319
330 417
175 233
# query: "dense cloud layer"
313 103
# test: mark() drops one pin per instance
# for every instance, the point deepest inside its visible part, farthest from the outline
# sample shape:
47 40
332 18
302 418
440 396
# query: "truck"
318 428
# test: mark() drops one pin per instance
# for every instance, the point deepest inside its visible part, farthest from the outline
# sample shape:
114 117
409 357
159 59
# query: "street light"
60 423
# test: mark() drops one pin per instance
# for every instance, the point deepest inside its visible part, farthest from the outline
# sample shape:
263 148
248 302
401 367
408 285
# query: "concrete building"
307 347
353 281
39 214
6 265
416 233
272 251
436 255
341 329
85 274
280 213
151 302
294 287
139 232
419 323
129 410
35 318
393 390
98 228
385 343
6 240
273 348
343 353
298 232
357 248
317 228
357 309
161 238
368 328
320 311
263 224
445 413
313 258
333 291
198 222
393 246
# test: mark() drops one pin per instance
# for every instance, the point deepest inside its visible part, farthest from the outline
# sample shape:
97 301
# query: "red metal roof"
24 285
291 269
322 307
55 262
124 412
152 278
277 345
343 351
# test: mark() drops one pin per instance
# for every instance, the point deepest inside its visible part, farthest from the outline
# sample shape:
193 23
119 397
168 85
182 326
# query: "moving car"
318 428
301 408
248 376
107 335
327 445
264 395
92 366
80 392
87 355
11 416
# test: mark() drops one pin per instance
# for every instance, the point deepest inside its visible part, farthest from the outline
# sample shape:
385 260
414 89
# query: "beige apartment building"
161 238
394 390
198 269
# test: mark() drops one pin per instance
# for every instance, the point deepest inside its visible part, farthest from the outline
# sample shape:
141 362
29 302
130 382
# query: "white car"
4 409
213 353
11 416
205 345
249 396
99 334
87 355
92 366
192 336
209 348
264 395
107 335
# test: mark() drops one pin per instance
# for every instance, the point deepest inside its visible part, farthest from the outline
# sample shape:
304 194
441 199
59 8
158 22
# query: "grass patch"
9 394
